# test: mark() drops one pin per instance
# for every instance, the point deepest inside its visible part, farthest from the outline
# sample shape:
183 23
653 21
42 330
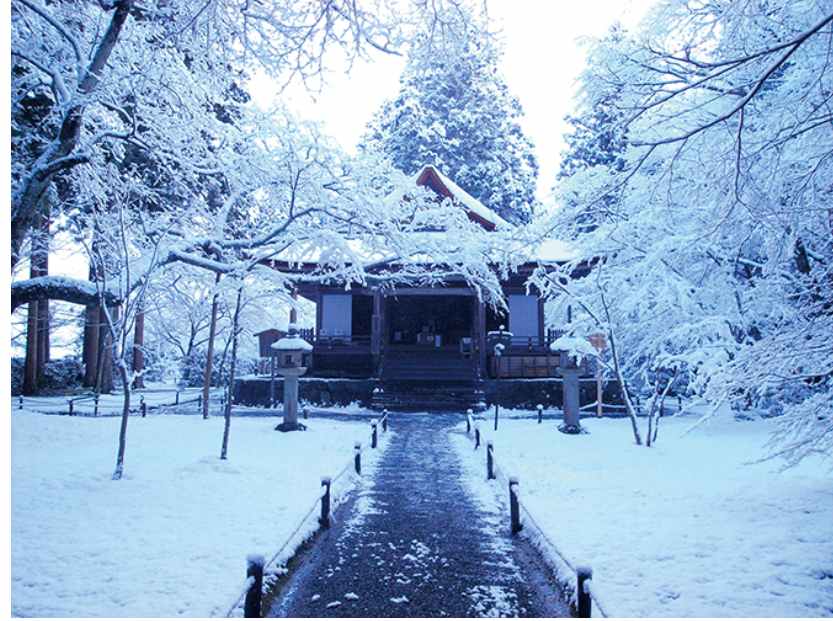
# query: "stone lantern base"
285 426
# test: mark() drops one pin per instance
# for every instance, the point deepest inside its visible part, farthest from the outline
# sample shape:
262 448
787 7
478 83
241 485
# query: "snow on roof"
553 250
467 200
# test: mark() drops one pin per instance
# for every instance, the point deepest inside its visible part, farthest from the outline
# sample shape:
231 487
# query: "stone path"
414 544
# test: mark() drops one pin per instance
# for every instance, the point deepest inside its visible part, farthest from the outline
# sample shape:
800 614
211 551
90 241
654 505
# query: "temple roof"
429 176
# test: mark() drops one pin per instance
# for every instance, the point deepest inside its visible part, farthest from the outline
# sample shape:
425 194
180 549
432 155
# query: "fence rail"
251 595
520 515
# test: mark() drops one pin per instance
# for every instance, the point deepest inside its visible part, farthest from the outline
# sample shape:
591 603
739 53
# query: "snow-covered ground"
171 538
690 527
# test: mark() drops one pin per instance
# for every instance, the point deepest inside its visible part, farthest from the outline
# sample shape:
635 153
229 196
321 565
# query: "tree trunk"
40 267
125 414
91 320
105 352
30 369
227 426
212 331
138 353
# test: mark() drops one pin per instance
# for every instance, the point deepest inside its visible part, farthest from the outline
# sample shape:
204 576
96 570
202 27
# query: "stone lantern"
293 357
572 352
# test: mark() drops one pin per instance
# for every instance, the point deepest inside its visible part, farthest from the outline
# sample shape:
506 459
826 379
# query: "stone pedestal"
571 401
290 399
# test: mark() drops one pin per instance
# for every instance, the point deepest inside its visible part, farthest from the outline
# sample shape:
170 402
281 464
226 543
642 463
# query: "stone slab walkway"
413 543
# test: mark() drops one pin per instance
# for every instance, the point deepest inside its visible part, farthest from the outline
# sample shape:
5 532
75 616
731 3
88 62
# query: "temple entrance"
430 321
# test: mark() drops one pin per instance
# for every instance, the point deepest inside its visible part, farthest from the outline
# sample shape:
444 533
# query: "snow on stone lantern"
573 352
293 356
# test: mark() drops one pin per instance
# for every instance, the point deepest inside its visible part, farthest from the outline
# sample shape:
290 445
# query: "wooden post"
599 390
374 437
490 461
476 436
324 520
384 420
176 399
254 569
358 458
469 413
305 412
143 405
540 413
199 401
496 415
20 402
71 407
95 399
514 506
583 601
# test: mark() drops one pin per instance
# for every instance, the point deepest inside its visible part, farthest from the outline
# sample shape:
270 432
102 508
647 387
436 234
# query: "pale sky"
543 58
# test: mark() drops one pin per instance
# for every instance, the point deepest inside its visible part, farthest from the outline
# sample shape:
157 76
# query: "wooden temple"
437 341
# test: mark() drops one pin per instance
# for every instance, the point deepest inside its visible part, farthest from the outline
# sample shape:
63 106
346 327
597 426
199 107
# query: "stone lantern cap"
291 342
576 346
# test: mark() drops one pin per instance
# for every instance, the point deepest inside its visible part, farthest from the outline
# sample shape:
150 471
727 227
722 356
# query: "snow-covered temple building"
433 347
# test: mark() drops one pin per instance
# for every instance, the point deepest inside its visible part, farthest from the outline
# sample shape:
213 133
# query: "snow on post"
254 577
583 603
514 506
324 520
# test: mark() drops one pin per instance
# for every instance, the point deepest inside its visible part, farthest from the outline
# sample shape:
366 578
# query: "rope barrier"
588 587
248 584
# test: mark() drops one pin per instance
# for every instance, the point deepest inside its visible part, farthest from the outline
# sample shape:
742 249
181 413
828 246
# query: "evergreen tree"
454 110
596 145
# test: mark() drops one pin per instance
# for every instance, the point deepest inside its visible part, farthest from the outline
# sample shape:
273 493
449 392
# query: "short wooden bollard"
324 520
176 398
514 506
469 414
199 402
384 420
95 410
496 415
490 461
254 570
540 413
71 408
583 602
358 457
143 406
20 403
476 436
374 437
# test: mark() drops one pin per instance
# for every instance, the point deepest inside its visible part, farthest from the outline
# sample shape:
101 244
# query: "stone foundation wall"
315 390
527 393
509 393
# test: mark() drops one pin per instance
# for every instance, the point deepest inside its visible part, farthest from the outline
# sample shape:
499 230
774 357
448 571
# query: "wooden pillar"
480 336
138 344
319 304
541 337
293 313
376 324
